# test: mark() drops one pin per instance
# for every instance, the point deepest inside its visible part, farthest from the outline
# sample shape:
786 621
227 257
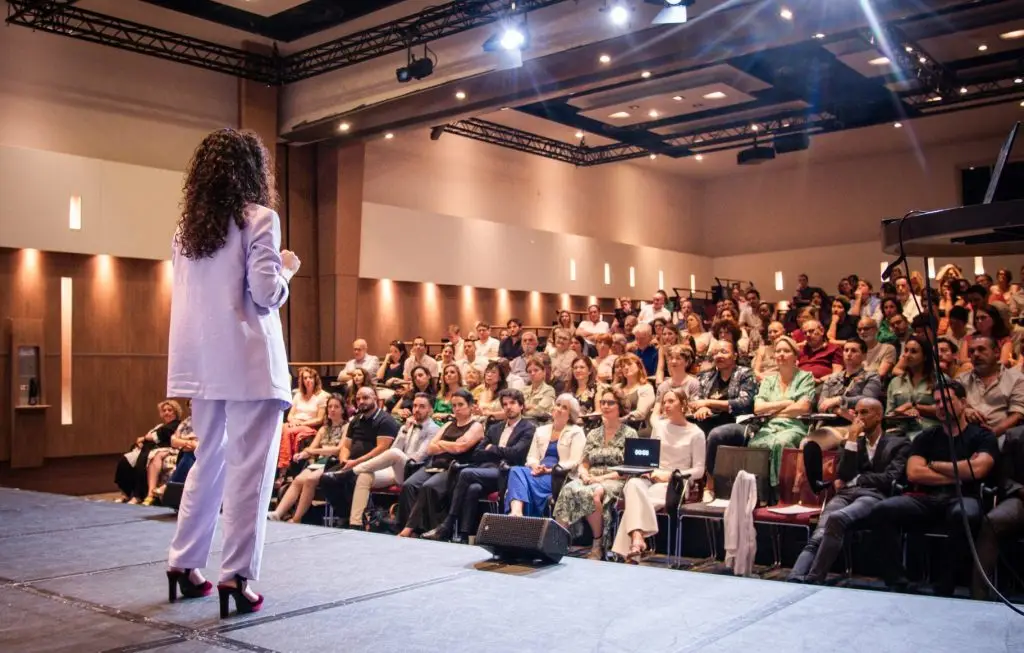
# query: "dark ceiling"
305 19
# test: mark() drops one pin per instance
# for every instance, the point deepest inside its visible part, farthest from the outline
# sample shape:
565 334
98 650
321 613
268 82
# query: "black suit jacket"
889 465
513 453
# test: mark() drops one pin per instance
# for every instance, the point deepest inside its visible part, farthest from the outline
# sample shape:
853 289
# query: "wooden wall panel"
390 309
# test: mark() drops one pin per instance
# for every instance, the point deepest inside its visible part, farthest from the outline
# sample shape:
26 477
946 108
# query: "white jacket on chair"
740 536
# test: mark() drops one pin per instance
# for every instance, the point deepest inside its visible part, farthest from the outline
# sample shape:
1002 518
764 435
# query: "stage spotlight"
618 15
673 11
416 69
511 38
435 132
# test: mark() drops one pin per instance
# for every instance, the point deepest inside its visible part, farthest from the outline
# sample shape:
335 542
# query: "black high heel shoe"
243 604
189 590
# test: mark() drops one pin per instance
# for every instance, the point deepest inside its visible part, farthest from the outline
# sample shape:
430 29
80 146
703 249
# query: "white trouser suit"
227 354
643 500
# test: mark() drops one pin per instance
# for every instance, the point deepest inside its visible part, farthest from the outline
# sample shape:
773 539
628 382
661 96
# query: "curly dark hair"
229 170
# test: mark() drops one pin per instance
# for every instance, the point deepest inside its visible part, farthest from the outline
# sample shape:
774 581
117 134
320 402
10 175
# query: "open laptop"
641 456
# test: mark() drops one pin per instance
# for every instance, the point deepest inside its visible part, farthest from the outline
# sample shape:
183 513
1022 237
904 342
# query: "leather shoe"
440 534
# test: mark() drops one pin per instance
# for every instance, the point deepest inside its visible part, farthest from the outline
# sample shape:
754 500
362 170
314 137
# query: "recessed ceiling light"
1015 34
653 113
1018 80
922 59
935 98
604 59
619 114
785 123
879 61
786 14
963 90
982 47
645 74
714 95
699 157
653 156
344 127
389 136
460 95
908 48
579 134
754 128
677 98
819 35
897 125
1022 104
504 108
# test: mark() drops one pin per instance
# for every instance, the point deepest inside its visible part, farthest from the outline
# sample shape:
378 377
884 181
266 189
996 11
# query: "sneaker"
708 497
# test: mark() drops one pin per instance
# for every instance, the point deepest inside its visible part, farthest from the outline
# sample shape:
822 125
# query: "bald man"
360 358
869 463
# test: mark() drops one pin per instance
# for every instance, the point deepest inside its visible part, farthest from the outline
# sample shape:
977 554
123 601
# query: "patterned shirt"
740 392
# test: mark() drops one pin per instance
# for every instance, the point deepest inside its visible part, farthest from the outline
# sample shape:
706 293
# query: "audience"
529 348
539 397
511 347
390 374
817 355
360 360
309 407
130 474
910 394
631 380
646 350
418 358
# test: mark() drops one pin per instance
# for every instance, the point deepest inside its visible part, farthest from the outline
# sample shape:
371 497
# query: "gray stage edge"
78 575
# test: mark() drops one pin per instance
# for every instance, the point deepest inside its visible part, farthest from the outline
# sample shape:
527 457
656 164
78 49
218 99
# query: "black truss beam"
85 25
1003 85
910 57
398 35
743 132
516 139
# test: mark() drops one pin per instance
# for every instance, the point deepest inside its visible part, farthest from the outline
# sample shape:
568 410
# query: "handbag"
381 520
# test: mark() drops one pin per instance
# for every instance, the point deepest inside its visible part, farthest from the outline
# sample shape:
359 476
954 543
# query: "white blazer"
570 445
740 535
226 340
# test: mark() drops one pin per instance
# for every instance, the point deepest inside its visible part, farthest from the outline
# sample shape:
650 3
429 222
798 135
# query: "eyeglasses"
609 402
860 328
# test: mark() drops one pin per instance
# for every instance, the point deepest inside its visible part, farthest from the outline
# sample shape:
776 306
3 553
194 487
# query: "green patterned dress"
781 432
576 499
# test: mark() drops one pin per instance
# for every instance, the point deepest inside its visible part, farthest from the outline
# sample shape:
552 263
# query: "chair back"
792 466
731 460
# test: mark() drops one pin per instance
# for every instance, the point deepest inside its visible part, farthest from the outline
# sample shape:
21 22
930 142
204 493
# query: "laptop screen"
642 452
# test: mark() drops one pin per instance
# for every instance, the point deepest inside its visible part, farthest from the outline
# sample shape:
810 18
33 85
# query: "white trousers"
643 500
382 471
235 463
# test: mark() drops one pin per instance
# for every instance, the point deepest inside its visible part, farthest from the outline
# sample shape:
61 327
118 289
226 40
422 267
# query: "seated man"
593 326
646 349
418 357
841 391
508 442
869 464
517 365
817 355
388 468
370 433
472 358
935 502
488 346
360 359
995 395
1006 520
655 309
511 347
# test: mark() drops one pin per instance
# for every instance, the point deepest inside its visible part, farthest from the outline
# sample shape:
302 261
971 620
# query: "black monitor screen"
974 182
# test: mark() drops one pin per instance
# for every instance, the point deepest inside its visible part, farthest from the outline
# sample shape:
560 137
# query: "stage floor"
79 575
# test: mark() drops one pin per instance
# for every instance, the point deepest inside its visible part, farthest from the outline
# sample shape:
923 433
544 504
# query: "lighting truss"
1002 86
62 17
396 36
740 133
516 139
908 56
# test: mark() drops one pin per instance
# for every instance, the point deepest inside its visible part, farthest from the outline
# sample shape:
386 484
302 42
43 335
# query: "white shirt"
910 310
648 314
479 363
592 329
369 363
457 346
488 348
426 362
506 432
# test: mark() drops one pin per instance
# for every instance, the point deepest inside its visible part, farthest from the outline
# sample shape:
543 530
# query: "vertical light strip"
778 280
693 282
661 279
572 269
979 265
881 270
931 268
607 274
65 350
75 212
632 277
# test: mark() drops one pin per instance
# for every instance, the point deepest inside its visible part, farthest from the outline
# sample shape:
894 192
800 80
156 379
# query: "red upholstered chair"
792 461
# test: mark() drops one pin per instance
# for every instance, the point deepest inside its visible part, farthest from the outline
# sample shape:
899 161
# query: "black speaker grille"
522 537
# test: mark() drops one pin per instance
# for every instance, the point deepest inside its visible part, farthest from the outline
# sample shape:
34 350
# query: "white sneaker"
272 516
708 497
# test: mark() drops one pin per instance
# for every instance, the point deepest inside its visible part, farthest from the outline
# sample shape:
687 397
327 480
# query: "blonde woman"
562 357
701 338
764 360
130 474
309 408
538 395
632 380
560 444
606 357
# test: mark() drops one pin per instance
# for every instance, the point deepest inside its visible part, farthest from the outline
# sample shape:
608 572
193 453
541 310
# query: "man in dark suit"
1005 521
507 441
869 463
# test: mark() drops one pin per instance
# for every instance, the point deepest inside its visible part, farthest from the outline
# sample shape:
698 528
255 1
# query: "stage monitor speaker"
522 539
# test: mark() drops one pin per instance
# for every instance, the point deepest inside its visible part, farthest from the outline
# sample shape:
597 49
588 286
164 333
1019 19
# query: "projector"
754 155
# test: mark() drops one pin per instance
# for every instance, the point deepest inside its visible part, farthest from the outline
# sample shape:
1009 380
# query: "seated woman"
539 396
423 503
390 374
360 379
448 357
488 405
842 326
764 360
309 406
325 446
558 443
584 385
451 382
632 380
401 404
605 360
165 462
701 338
596 489
562 357
782 398
912 393
678 358
130 474
682 450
